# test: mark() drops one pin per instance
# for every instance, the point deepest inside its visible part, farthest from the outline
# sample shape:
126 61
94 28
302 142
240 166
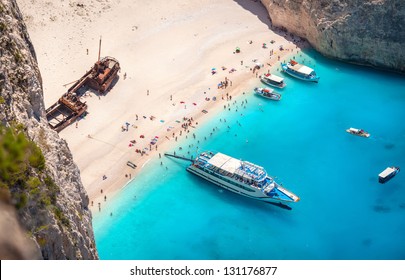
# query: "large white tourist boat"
240 177
273 80
299 71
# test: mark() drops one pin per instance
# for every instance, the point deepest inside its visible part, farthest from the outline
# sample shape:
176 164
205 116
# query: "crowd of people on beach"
183 128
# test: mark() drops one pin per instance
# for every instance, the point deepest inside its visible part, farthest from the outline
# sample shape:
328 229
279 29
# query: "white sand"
166 47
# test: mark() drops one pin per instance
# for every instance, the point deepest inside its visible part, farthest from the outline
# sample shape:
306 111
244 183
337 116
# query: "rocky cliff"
370 32
37 171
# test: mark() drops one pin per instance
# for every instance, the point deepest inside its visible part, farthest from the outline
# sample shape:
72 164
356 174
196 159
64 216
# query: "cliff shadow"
259 10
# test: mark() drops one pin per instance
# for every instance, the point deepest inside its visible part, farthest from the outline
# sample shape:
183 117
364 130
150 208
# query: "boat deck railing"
255 172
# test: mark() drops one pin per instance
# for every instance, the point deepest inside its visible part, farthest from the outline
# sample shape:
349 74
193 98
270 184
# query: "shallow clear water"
344 213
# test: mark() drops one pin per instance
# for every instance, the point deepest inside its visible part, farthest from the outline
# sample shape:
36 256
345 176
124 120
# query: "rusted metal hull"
65 111
69 107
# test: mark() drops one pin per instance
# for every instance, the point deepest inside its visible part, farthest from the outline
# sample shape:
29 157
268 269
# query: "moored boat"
241 177
267 93
273 80
299 71
358 132
388 174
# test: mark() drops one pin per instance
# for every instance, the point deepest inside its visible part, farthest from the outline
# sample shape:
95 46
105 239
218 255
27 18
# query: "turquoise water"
344 213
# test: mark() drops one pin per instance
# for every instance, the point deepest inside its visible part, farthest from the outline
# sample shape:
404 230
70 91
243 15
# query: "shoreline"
120 181
166 60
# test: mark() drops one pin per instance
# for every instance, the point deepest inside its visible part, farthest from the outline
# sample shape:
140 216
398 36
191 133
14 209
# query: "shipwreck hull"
69 107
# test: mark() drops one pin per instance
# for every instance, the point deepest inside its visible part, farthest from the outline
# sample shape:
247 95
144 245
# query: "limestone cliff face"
370 32
18 247
53 205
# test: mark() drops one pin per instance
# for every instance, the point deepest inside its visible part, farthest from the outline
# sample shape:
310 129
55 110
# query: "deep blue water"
344 213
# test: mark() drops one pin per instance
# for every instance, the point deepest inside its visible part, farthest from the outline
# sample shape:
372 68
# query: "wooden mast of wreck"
99 50
69 107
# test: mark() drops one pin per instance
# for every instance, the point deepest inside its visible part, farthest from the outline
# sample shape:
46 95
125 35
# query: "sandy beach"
167 50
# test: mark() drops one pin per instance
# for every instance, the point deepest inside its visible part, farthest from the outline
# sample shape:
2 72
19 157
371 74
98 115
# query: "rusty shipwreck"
101 77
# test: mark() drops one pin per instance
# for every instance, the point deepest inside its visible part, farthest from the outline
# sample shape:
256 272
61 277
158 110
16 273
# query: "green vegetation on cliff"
23 174
38 177
17 155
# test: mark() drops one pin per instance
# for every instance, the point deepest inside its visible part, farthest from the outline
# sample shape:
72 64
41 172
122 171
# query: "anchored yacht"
240 177
299 71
